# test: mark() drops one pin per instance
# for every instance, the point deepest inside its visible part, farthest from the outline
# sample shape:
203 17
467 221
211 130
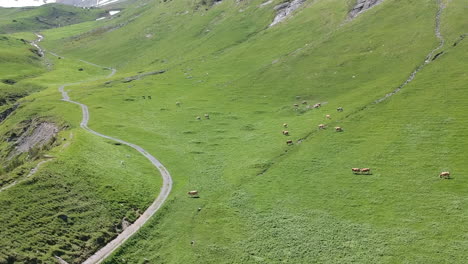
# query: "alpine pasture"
261 200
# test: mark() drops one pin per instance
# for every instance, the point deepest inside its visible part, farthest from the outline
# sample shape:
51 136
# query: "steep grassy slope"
72 205
44 17
261 200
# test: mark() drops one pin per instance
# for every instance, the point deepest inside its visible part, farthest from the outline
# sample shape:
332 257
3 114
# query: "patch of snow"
266 3
23 3
113 12
101 18
106 2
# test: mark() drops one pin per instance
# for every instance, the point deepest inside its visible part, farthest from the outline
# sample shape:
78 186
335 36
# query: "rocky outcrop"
7 112
284 10
34 134
361 6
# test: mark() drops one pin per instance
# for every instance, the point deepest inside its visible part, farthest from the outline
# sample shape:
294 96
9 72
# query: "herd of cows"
442 175
367 171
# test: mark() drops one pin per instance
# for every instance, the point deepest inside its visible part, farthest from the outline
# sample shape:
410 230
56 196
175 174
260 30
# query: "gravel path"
166 188
104 252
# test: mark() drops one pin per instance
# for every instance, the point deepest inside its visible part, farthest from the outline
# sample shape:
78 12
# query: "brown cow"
444 174
321 126
193 194
356 170
365 170
285 132
289 142
338 129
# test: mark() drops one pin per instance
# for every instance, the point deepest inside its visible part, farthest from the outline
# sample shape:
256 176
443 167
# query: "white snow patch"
113 12
106 2
23 3
101 18
266 3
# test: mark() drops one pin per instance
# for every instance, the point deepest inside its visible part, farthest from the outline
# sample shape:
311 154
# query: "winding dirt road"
104 252
108 249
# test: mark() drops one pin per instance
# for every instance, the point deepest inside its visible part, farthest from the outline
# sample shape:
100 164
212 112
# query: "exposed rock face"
35 135
361 6
285 9
7 112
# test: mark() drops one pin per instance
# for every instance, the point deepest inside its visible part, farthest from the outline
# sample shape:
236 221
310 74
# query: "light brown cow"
327 116
198 118
317 105
444 174
177 103
356 170
285 132
289 142
365 170
193 193
321 126
207 116
338 129
285 125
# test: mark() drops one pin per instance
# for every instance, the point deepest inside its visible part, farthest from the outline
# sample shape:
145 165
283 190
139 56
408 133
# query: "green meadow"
261 200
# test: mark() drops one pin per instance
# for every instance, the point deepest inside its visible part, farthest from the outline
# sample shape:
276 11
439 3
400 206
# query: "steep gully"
166 188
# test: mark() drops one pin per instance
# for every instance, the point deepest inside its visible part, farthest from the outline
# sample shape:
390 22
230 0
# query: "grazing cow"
321 126
198 118
207 116
365 170
285 125
327 116
444 174
317 105
285 132
193 193
289 142
339 109
304 102
356 170
296 105
338 129
177 103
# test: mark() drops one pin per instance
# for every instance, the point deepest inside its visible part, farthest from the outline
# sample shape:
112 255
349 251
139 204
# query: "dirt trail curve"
31 173
166 188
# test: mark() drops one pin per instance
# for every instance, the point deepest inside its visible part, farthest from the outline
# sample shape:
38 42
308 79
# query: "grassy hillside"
43 17
261 201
